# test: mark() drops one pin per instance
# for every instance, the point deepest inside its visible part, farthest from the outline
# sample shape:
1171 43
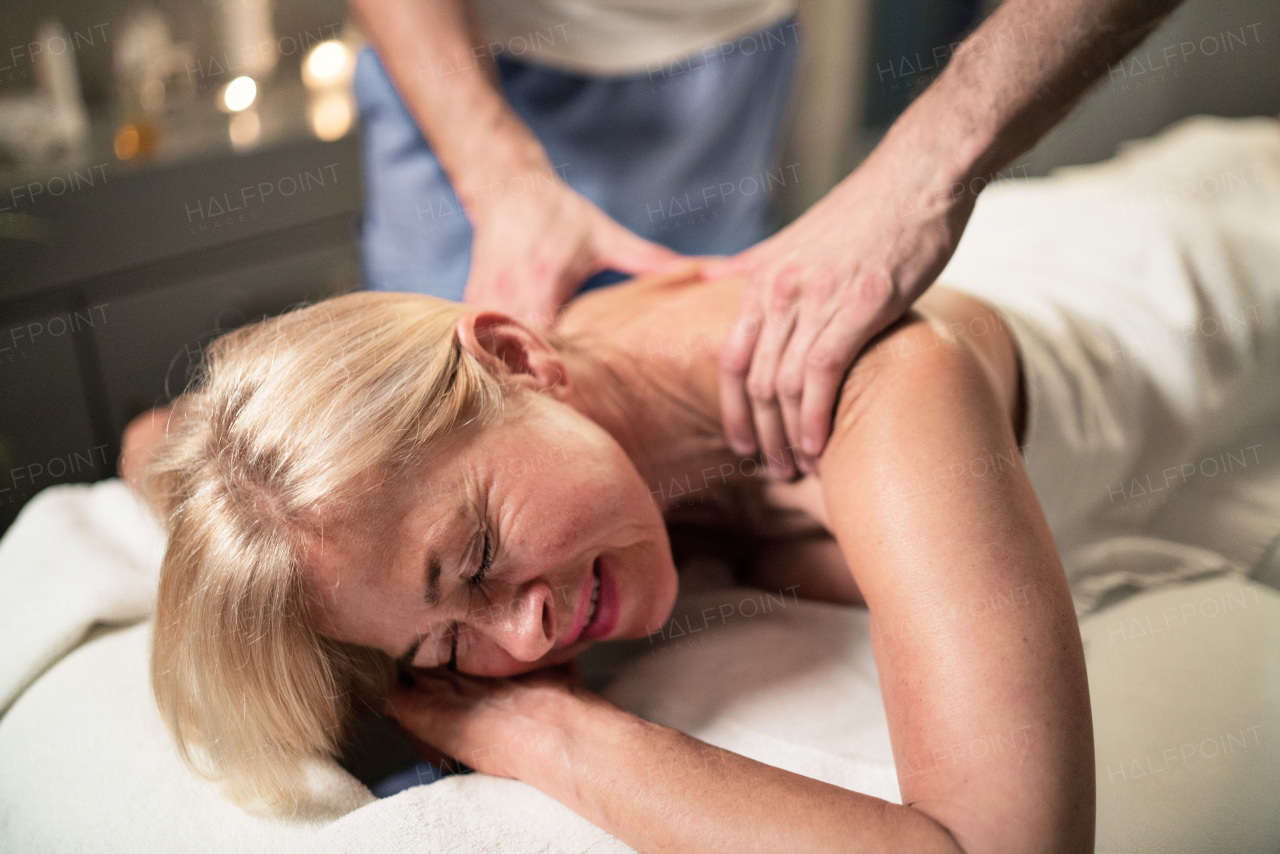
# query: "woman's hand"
537 240
510 727
142 438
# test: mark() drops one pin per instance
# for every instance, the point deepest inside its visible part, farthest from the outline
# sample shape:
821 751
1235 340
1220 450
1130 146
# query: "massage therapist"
516 148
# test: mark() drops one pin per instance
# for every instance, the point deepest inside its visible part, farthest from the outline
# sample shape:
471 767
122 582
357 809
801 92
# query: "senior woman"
349 487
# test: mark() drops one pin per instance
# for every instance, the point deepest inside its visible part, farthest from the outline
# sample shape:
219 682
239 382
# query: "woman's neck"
658 427
638 371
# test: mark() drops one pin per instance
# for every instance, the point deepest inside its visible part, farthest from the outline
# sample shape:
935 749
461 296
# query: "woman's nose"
525 625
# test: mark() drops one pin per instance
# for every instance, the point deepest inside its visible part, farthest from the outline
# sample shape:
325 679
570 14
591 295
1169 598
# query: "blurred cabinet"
109 294
47 430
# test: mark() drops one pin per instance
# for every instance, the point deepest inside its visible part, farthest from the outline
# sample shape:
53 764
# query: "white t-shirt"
614 37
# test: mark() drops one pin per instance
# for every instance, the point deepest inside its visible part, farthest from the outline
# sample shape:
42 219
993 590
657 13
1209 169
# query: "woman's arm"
653 787
143 436
974 634
973 628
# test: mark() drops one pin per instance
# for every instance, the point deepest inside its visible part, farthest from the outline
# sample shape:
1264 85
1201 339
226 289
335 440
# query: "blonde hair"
287 422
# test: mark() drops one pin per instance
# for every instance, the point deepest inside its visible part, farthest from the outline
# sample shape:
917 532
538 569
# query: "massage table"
1184 681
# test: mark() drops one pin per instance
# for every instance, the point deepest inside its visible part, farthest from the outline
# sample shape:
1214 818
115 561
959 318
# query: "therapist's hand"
819 290
537 240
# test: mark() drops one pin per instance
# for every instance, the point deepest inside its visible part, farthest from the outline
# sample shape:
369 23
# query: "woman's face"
559 509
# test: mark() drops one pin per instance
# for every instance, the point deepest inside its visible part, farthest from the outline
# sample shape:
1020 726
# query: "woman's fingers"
443 712
424 696
500 726
421 707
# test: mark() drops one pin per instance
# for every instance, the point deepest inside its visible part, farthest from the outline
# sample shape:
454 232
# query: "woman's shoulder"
947 336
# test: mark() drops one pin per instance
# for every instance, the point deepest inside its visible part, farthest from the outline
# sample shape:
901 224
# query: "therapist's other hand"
537 240
818 291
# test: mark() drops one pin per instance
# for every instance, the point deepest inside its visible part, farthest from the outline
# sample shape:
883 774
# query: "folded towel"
75 557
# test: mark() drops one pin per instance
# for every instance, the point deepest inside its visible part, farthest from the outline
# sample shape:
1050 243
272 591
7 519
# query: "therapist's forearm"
438 59
658 789
1016 77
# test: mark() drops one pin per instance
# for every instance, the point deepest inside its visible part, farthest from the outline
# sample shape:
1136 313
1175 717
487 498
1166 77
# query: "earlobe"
505 345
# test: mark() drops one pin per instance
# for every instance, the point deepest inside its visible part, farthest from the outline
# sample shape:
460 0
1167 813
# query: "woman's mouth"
595 595
603 613
588 602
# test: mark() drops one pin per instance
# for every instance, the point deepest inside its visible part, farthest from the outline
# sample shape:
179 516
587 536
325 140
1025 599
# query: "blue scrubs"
682 155
415 775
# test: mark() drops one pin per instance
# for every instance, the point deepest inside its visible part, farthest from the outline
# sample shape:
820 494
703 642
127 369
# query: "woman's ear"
500 341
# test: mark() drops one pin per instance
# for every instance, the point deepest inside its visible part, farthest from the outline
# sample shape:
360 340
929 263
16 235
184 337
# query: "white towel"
75 557
1144 299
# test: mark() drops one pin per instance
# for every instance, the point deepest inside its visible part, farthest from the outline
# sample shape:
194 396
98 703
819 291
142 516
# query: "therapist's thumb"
627 252
734 266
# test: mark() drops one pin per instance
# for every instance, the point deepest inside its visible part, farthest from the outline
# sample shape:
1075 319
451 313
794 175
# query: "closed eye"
473 583
486 562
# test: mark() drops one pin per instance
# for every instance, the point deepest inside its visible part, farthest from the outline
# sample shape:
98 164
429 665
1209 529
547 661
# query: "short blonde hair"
287 421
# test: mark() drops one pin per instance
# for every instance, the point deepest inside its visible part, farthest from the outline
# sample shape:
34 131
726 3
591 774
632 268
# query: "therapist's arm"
536 239
821 288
